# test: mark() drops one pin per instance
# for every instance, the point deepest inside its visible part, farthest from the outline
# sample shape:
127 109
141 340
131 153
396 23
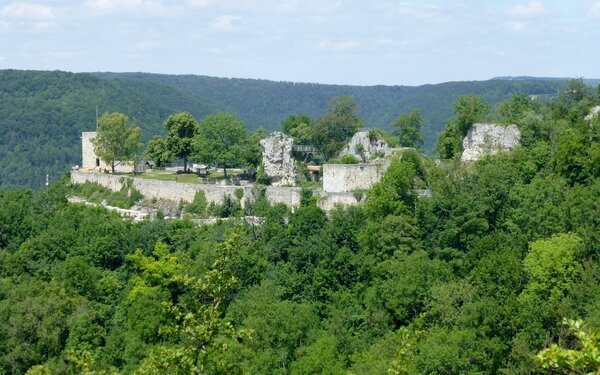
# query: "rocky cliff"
277 159
364 147
488 139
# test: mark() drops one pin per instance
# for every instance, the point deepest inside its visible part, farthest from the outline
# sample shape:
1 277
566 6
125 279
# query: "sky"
366 42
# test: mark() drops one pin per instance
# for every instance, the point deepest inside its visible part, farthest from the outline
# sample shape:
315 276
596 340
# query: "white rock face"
488 139
277 159
369 147
594 112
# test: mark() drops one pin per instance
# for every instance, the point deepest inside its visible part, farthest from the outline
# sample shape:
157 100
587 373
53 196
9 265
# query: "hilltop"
42 113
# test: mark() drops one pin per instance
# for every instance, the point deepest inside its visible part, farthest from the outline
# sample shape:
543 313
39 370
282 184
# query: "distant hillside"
266 103
43 113
587 81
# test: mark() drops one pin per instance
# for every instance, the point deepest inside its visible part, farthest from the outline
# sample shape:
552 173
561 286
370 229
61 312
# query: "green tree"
552 265
157 151
181 130
251 151
408 129
332 130
116 140
221 141
468 110
511 111
298 127
196 321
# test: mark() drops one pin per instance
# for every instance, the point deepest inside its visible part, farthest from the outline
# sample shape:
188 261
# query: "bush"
199 205
346 159
262 178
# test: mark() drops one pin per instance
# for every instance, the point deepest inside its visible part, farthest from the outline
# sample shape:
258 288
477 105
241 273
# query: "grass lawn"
184 177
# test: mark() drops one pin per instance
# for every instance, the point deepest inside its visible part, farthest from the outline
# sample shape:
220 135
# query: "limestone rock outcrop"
277 159
363 147
488 139
594 112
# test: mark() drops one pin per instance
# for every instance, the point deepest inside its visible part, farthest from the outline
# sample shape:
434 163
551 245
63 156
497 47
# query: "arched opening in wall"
97 162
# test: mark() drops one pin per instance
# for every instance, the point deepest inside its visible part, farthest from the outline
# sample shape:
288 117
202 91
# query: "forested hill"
43 113
266 103
474 279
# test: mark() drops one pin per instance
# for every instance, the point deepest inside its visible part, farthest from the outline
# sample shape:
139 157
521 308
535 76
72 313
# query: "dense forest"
43 113
475 279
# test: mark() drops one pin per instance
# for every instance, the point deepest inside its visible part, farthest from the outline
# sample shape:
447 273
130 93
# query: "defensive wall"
344 178
176 191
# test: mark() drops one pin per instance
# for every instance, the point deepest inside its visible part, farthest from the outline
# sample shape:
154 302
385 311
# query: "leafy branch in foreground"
195 312
585 360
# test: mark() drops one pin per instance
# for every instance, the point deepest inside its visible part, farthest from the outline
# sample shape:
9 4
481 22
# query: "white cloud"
337 46
412 10
148 6
594 10
27 11
391 42
228 49
517 26
533 8
224 23
199 3
42 25
147 45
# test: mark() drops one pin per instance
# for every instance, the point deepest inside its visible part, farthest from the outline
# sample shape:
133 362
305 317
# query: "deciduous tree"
221 140
181 129
337 126
117 140
408 129
157 151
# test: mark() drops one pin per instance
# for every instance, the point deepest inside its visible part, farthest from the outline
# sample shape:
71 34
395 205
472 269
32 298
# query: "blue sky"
340 41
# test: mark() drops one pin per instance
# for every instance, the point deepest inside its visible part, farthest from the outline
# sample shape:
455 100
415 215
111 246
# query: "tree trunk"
112 167
225 171
184 164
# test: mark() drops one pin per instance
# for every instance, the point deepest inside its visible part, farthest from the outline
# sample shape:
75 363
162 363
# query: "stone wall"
341 178
290 196
328 201
176 191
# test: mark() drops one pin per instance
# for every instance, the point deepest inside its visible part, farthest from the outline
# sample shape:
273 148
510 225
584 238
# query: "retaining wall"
328 201
176 191
290 196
